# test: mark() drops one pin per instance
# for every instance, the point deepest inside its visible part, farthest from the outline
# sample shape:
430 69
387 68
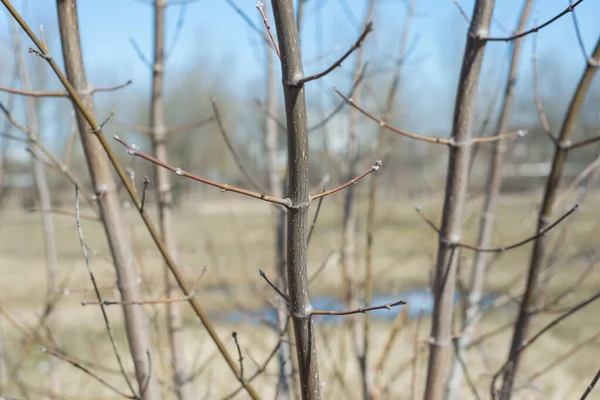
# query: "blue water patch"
418 301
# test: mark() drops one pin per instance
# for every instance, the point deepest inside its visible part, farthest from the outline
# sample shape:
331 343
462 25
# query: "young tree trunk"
351 271
298 186
136 326
486 225
444 285
286 371
530 298
374 184
45 203
183 387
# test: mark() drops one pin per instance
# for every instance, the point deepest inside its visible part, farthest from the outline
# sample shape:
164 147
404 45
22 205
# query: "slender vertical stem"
374 183
45 199
137 329
286 370
298 186
350 268
486 225
165 202
444 285
530 298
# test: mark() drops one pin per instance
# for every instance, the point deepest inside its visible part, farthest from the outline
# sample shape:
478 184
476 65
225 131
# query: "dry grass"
233 238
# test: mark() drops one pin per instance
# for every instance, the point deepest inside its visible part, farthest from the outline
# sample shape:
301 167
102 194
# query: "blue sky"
213 30
214 34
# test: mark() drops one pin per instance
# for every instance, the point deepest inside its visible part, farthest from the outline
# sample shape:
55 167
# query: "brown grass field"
233 238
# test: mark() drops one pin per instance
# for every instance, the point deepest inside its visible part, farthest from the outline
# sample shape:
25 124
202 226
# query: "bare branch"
520 243
58 211
591 386
135 151
337 109
170 130
360 310
87 372
368 28
234 335
374 168
234 153
97 292
567 10
539 105
261 8
140 53
449 142
186 297
527 343
33 93
144 190
275 288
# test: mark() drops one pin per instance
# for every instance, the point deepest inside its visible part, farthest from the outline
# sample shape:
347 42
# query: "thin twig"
275 288
35 93
234 153
591 386
337 109
88 372
144 190
374 168
97 291
449 142
360 310
368 28
261 8
567 10
322 266
241 358
146 302
140 53
69 213
520 243
170 130
539 105
259 371
546 328
135 151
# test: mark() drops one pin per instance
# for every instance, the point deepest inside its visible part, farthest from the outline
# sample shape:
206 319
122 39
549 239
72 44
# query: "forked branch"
567 10
501 249
368 28
36 93
448 142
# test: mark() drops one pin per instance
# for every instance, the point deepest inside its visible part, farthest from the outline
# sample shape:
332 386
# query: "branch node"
179 171
377 165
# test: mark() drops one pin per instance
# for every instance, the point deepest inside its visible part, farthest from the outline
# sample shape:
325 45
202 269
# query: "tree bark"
164 199
444 285
538 254
286 363
136 326
298 186
486 225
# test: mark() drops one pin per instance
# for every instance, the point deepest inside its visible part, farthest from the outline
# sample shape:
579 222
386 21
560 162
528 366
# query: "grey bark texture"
136 325
158 126
298 186
487 219
444 285
286 370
